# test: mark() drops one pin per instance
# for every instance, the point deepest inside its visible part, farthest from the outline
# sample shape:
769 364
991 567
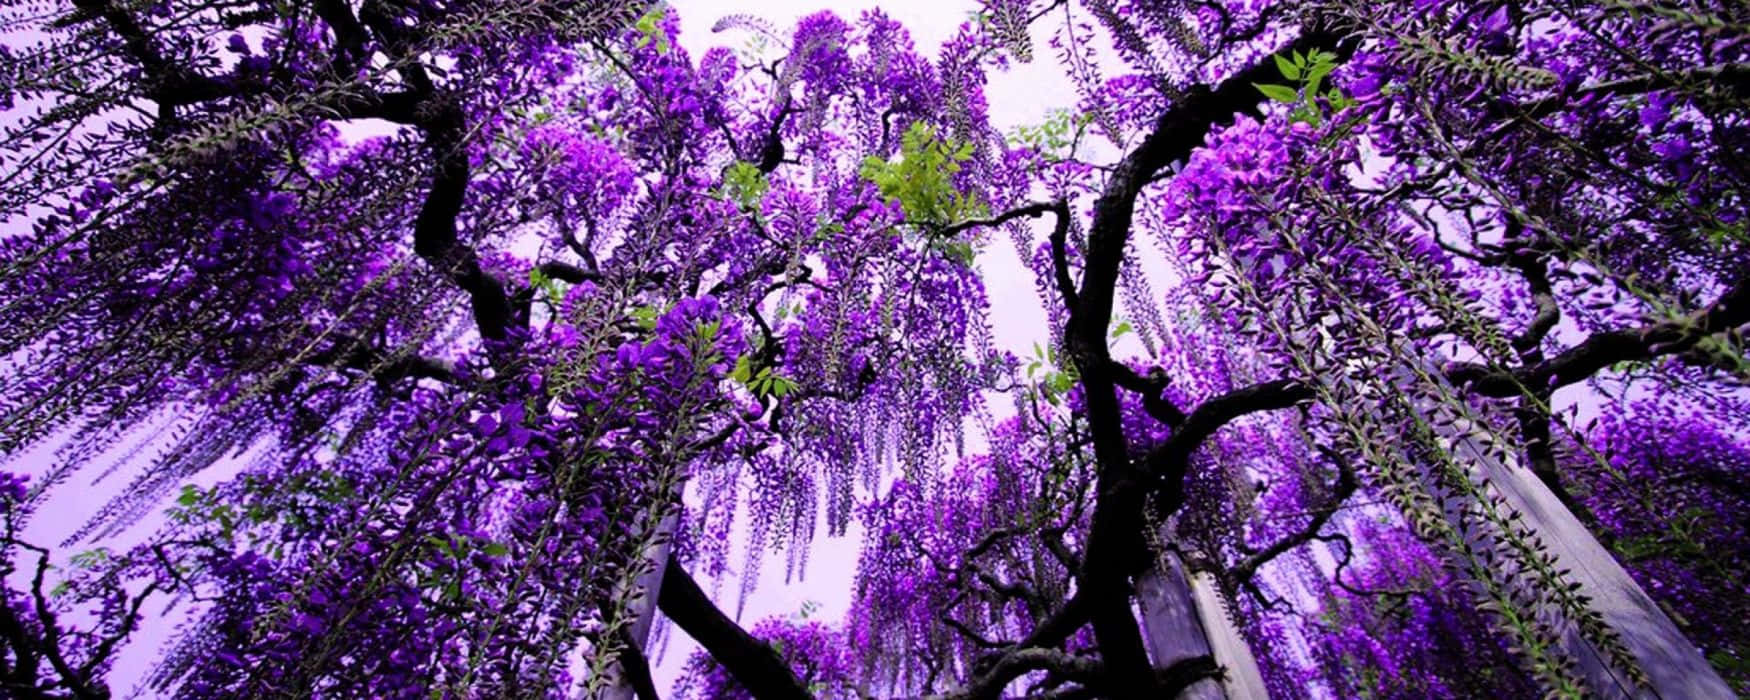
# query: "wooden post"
1184 617
1674 666
643 605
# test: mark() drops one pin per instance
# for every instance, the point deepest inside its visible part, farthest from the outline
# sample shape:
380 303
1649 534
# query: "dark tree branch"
752 662
1002 669
970 634
1077 668
1343 563
441 117
1094 679
1031 211
1115 548
399 107
567 272
1531 266
168 84
1066 286
398 43
772 148
1607 348
1170 461
990 539
349 35
1020 592
1052 538
635 667
1150 387
355 354
435 237
1532 411
1345 487
435 234
31 647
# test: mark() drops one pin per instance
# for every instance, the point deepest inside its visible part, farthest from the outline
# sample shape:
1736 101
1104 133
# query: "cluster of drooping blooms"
1402 626
1374 240
1665 498
407 573
861 344
1422 254
974 555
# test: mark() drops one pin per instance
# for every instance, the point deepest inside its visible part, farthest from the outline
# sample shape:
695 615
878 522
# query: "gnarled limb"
1346 485
1115 547
1606 348
752 662
1004 668
1170 461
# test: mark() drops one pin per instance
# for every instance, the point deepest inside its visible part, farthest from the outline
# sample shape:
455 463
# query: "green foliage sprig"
921 180
1307 72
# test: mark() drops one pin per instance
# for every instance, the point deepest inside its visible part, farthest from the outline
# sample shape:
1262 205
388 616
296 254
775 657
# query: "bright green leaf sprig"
540 280
744 184
1308 73
645 316
922 178
762 382
649 27
1054 138
1055 378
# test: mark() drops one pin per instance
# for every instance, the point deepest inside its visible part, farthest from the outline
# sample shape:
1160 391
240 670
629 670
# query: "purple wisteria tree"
1397 352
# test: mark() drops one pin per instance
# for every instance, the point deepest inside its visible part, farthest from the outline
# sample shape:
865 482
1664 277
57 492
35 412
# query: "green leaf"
651 28
1119 330
1061 383
540 280
90 558
1279 93
958 251
744 184
1316 76
645 316
190 495
921 180
1289 70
